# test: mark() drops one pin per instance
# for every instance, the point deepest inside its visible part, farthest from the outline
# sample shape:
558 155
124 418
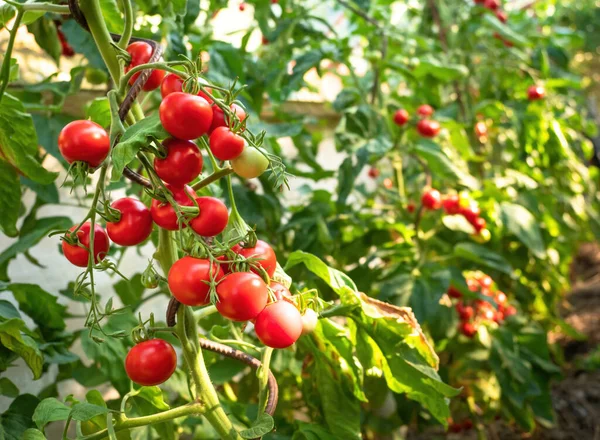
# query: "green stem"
263 380
46 7
166 253
163 65
212 178
186 410
128 25
5 72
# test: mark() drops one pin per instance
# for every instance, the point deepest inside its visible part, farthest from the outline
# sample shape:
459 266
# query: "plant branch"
128 25
263 380
212 178
5 72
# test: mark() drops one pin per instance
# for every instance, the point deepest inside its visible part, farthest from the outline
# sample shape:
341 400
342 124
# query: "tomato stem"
128 25
5 71
212 178
263 380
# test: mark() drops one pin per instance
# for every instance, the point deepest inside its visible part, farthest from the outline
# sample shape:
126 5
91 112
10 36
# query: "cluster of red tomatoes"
495 7
456 427
425 126
473 313
454 204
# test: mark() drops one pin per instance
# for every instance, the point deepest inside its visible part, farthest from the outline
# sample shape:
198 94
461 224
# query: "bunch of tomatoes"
457 204
238 280
426 126
476 312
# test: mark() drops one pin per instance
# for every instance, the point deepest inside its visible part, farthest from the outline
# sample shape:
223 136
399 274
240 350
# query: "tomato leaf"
50 410
337 280
525 227
18 140
483 256
441 165
150 400
10 199
16 421
7 388
46 36
99 111
261 426
137 136
112 15
13 337
442 71
83 42
33 434
130 291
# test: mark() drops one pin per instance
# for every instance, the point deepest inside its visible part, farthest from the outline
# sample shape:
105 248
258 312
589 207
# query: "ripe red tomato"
279 325
509 311
501 15
425 110
262 253
188 280
491 4
388 183
219 119
453 292
535 93
500 297
486 281
468 329
480 129
373 173
225 144
140 54
182 164
164 215
135 224
489 314
251 163
212 219
310 319
174 83
265 41
410 207
470 212
279 290
428 128
466 313
432 199
79 256
451 204
498 317
84 141
242 7
151 362
479 224
242 296
467 424
473 285
401 117
185 116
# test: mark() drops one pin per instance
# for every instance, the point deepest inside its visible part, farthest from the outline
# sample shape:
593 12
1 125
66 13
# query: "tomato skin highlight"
279 325
431 199
151 362
535 93
79 256
212 219
84 141
141 53
164 215
480 129
225 144
262 252
188 278
242 296
401 117
185 116
182 164
425 110
219 119
279 290
428 128
251 163
135 224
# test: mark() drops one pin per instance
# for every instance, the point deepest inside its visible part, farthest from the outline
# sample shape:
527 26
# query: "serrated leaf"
137 136
10 199
263 425
85 411
13 338
18 140
482 256
524 225
50 410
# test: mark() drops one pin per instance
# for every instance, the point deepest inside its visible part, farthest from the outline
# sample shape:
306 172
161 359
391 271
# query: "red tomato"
373 173
425 110
164 215
242 7
174 83
479 224
279 325
310 319
79 256
480 129
242 296
535 93
401 117
185 116
501 15
466 313
212 219
189 278
141 53
279 290
135 224
388 183
473 285
451 204
486 281
410 207
84 141
182 164
467 424
428 128
432 199
468 329
262 253
491 4
470 212
225 144
500 297
265 41
151 362
219 117
453 292
509 311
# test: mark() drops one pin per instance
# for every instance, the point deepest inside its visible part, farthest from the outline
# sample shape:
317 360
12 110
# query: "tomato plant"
241 261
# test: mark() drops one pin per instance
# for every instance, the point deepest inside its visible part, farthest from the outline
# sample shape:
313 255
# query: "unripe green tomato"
251 163
150 279
483 237
95 76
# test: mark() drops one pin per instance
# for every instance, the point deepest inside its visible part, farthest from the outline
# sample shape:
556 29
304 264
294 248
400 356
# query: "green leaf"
112 15
524 225
458 223
48 128
99 111
12 338
17 419
41 306
261 426
7 310
33 434
18 140
441 165
150 400
309 431
50 410
131 291
505 31
7 388
46 36
47 193
10 199
337 280
442 71
482 256
137 136
83 42
86 411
